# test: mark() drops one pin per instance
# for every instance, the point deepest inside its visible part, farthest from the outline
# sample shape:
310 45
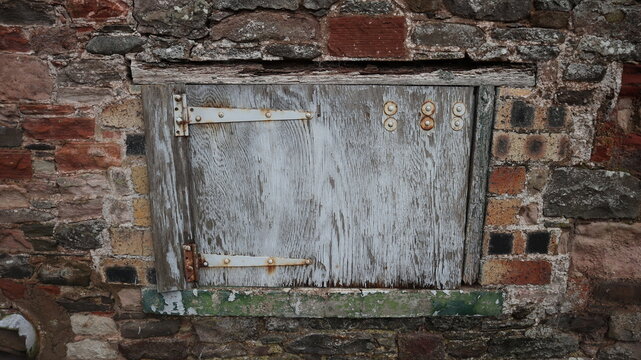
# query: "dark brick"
574 97
367 37
87 304
622 292
294 51
318 4
40 147
497 10
37 230
535 348
65 272
82 235
109 45
445 34
420 346
158 349
122 274
592 194
537 242
135 144
502 145
580 323
556 116
329 344
500 243
13 39
423 5
535 147
147 329
15 164
10 136
236 5
550 19
522 114
223 329
44 244
21 12
366 7
15 266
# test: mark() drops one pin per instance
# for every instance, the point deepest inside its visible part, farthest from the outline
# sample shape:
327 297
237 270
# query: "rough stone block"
56 40
13 197
507 180
625 326
15 164
158 349
535 53
130 299
23 12
97 9
82 235
127 114
84 156
223 329
46 109
140 179
420 346
294 51
620 351
611 18
13 39
584 73
59 128
93 325
254 4
24 77
318 4
496 10
516 272
330 344
447 34
142 215
366 7
423 5
18 216
265 25
147 329
554 346
15 266
65 272
537 35
10 136
109 45
367 37
92 72
37 230
550 19
127 241
13 240
89 349
592 194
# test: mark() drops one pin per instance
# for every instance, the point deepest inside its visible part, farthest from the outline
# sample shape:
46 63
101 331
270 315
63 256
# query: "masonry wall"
563 227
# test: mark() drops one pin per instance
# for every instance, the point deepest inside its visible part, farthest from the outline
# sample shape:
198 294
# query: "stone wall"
563 226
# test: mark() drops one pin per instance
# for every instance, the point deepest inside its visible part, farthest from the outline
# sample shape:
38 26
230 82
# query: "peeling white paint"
24 327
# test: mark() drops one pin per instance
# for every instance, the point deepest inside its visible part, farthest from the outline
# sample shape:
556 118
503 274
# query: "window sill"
320 303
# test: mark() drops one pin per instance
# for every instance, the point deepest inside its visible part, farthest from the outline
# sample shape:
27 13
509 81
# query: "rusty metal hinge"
191 261
185 116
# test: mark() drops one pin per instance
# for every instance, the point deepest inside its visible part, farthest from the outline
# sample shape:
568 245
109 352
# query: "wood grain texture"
372 208
168 168
258 74
478 182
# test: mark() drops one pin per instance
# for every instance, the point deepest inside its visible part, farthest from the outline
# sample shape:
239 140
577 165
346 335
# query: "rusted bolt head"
270 261
308 115
390 124
428 108
458 109
227 261
390 108
221 114
427 123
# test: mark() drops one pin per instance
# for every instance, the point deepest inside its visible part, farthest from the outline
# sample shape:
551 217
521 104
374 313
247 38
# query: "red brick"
631 80
367 37
13 240
50 289
97 9
81 156
516 272
12 290
15 164
59 128
420 345
507 180
24 77
46 109
13 39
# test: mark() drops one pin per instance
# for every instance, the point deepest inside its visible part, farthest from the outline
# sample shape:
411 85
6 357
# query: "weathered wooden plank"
168 168
371 207
397 75
478 182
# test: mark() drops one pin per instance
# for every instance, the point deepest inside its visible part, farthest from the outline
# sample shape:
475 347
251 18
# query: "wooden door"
371 207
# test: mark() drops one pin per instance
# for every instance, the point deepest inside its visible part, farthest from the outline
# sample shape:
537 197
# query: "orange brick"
516 272
507 180
502 212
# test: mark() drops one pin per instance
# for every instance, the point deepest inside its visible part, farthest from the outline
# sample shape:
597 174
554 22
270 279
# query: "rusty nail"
227 261
179 121
189 267
198 118
221 114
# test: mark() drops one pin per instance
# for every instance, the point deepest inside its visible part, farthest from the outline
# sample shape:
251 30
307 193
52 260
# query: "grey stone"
20 12
538 52
625 326
556 5
10 136
584 73
18 216
610 48
231 350
91 349
329 344
442 34
538 35
423 5
37 229
294 51
318 4
92 72
82 235
260 26
65 272
282 324
93 325
15 266
225 50
574 97
489 52
109 45
366 7
146 329
555 346
180 18
222 330
254 4
550 19
157 349
592 194
609 18
497 10
620 351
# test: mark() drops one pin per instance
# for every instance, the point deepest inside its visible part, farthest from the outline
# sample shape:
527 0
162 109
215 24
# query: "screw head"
428 108
268 114
458 109
308 115
457 123
205 263
427 123
227 261
390 124
221 114
270 261
198 118
390 108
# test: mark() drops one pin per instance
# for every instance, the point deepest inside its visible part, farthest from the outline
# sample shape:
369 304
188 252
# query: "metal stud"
428 108
458 109
198 118
390 124
268 114
270 261
427 123
227 261
221 114
205 263
178 97
308 261
390 108
308 115
457 123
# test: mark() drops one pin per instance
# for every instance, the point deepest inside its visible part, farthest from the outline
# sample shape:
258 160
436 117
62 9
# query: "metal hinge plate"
183 116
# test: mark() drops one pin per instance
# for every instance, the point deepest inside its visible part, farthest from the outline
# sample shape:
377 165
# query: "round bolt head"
457 123
178 98
427 123
390 108
428 108
198 118
186 247
308 115
390 124
227 261
205 264
308 261
270 261
268 114
221 114
179 121
458 109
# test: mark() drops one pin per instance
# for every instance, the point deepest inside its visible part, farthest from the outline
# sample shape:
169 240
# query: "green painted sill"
320 303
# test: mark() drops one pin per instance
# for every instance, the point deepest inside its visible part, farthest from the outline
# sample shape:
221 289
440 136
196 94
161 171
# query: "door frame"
169 167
